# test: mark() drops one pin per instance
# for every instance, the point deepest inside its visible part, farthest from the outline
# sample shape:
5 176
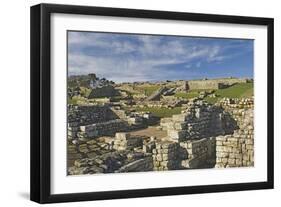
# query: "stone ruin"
202 136
237 149
122 154
210 84
91 121
161 93
213 135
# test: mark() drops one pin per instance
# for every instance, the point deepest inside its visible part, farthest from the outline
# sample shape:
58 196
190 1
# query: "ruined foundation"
202 136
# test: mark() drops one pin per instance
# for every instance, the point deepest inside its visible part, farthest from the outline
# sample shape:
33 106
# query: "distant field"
187 95
161 112
237 91
148 89
240 90
190 94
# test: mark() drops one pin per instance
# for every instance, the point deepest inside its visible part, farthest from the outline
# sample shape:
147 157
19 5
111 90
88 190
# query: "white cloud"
138 59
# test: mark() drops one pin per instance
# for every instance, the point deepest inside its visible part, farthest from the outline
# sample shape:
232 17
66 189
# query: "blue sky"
129 57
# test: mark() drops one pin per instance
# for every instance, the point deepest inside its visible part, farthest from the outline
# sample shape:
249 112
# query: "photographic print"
140 102
124 101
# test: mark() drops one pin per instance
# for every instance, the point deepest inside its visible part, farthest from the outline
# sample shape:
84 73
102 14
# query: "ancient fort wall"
212 84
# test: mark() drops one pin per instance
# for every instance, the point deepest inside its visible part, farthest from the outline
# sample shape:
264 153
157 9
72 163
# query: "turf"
161 112
191 94
147 89
240 90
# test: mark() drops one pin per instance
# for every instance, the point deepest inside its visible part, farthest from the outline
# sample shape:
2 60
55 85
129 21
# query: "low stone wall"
85 122
214 83
105 163
123 141
85 115
192 85
113 162
89 149
108 128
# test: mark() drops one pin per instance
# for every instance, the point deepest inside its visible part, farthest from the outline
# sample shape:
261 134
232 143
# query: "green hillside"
240 90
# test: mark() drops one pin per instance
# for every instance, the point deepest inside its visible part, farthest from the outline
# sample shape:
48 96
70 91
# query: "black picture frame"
41 99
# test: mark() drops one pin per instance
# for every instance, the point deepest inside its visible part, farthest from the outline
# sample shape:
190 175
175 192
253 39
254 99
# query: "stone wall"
166 156
199 120
124 141
89 149
104 91
107 128
85 122
219 135
200 153
237 149
202 136
211 84
112 162
192 154
85 115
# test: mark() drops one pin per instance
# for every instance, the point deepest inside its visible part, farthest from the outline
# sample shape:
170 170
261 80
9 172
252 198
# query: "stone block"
179 117
174 134
122 136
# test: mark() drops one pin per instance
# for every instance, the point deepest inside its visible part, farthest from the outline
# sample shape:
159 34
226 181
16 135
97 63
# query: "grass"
240 90
191 94
85 92
116 98
76 99
161 112
211 100
72 101
147 89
